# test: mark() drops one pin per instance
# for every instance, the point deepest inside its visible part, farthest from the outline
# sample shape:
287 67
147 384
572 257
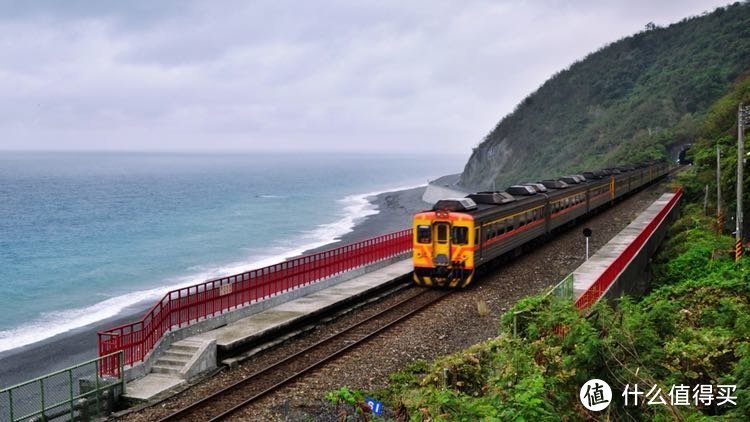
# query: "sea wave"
354 208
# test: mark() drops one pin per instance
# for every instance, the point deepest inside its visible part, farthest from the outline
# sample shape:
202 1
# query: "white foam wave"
265 196
354 209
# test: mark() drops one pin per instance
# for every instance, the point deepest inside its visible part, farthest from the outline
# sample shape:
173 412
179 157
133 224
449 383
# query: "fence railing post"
72 395
10 405
41 396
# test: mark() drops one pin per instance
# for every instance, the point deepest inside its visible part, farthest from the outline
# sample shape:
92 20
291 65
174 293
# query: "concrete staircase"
176 358
182 361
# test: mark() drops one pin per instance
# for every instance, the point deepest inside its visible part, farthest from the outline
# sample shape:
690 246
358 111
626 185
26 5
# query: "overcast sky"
278 75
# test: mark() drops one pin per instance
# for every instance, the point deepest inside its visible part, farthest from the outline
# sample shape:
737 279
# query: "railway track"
225 402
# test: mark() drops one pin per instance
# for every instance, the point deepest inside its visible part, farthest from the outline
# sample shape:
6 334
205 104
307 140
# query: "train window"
460 235
476 235
424 234
442 233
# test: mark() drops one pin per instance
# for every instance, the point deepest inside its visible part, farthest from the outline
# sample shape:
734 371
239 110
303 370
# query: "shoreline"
394 212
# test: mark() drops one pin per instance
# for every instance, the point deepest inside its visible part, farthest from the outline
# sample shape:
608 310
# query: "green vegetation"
635 99
720 129
692 329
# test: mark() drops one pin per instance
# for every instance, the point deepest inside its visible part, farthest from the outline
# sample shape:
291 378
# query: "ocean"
88 236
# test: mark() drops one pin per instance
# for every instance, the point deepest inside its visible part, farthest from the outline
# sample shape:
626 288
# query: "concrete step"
177 355
184 348
188 342
161 369
171 362
150 386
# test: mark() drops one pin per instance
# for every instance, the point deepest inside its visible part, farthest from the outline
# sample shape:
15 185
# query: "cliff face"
633 100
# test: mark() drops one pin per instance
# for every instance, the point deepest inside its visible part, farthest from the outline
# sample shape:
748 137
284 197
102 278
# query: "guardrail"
188 305
73 394
561 291
602 283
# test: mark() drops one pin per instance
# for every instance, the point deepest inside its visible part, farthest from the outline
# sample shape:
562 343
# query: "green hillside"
640 97
720 130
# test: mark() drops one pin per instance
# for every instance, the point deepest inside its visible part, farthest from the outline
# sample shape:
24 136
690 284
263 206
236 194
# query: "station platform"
258 331
621 266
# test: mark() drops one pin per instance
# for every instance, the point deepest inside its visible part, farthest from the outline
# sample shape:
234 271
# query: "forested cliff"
638 98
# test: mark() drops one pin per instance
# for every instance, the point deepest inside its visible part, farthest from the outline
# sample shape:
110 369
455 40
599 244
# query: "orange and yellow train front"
443 248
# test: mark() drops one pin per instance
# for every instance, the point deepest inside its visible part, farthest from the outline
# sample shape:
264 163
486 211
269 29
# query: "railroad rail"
244 392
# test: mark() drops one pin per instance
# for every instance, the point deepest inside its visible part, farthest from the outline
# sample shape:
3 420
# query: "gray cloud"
404 76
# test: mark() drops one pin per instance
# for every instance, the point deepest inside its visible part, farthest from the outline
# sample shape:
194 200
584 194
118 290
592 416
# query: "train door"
441 246
477 245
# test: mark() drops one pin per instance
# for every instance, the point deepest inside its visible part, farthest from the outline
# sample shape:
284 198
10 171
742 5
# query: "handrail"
74 393
187 305
602 283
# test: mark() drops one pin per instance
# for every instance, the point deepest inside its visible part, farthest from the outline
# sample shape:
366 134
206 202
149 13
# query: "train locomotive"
459 235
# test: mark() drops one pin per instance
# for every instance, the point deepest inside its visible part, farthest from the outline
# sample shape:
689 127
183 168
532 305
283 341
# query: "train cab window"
424 234
442 233
460 235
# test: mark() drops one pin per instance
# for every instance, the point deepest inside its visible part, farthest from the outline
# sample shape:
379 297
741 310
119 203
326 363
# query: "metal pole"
740 179
718 185
705 202
587 249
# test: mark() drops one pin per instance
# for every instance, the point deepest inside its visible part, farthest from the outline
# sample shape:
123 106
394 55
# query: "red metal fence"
601 284
182 307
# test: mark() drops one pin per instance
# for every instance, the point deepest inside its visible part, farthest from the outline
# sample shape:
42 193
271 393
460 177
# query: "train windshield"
424 234
460 235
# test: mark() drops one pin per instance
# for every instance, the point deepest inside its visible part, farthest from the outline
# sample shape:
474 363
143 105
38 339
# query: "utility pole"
719 220
742 116
705 202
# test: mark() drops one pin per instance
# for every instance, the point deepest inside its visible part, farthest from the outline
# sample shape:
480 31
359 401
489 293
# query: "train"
459 235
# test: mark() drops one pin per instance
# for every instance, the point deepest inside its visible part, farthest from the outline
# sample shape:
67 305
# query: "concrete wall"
635 280
204 360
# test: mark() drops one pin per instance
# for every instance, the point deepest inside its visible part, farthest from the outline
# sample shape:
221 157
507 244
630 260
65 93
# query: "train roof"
492 203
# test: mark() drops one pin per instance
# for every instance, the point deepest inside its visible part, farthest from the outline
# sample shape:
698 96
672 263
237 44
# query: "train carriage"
458 235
